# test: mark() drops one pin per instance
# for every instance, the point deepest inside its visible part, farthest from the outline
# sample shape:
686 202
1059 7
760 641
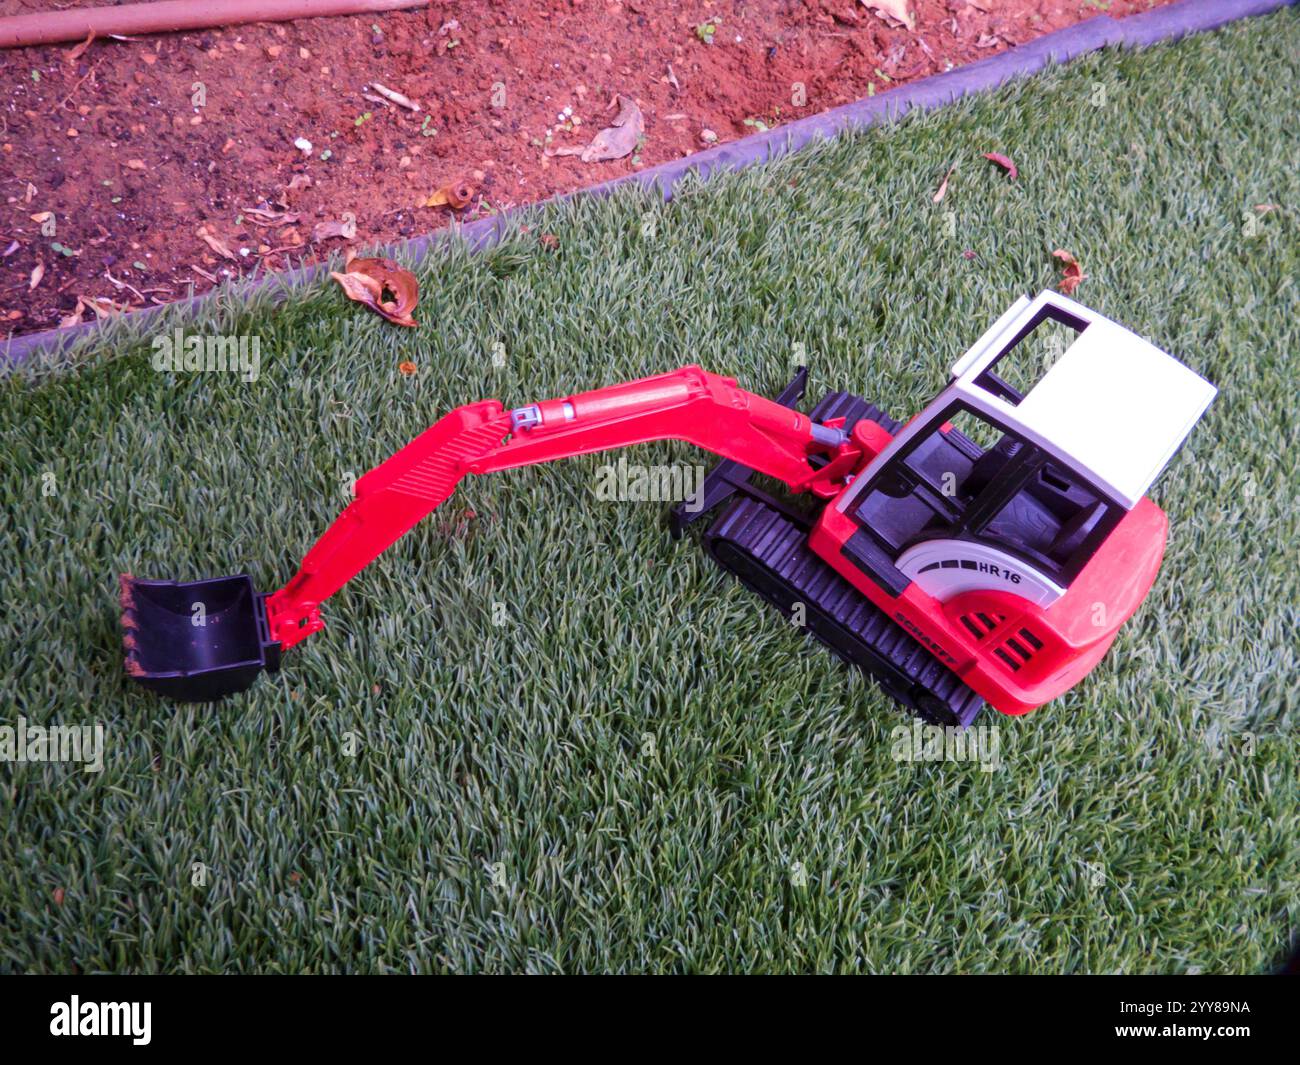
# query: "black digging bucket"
196 641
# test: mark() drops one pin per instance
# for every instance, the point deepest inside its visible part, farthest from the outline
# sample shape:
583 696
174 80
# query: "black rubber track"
768 550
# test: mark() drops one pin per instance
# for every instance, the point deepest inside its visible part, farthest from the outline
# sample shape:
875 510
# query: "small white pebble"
303 145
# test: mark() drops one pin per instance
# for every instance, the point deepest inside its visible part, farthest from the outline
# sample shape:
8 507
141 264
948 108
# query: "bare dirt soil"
142 171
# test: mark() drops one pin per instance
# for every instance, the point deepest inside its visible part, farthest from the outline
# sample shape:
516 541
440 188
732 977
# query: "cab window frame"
970 521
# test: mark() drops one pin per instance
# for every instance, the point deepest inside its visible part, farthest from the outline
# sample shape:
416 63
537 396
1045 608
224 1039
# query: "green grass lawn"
642 768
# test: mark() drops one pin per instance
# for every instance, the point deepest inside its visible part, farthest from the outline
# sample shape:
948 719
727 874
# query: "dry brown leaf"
615 141
74 318
943 185
899 11
457 196
407 369
263 216
347 229
38 272
216 244
360 287
367 280
102 306
42 216
1004 162
618 140
135 164
1073 271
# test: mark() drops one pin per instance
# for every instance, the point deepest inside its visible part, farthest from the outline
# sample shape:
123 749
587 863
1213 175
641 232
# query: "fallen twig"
89 74
76 53
124 284
396 97
281 250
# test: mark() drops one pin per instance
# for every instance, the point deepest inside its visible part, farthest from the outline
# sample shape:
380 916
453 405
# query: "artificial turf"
634 765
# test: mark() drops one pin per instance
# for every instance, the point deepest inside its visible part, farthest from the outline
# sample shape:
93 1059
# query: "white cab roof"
1113 406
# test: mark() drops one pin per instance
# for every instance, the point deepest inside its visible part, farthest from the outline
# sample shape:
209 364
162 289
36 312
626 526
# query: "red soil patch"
112 145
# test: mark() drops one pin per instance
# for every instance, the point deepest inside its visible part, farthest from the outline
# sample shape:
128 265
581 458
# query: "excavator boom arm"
689 404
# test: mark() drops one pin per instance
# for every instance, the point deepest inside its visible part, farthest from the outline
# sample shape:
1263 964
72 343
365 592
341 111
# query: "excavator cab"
1023 480
1031 513
994 479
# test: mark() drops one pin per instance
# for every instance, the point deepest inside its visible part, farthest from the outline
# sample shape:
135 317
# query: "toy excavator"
988 550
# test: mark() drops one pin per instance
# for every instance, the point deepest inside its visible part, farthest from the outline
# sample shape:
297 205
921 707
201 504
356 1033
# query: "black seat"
989 465
1075 531
1024 524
